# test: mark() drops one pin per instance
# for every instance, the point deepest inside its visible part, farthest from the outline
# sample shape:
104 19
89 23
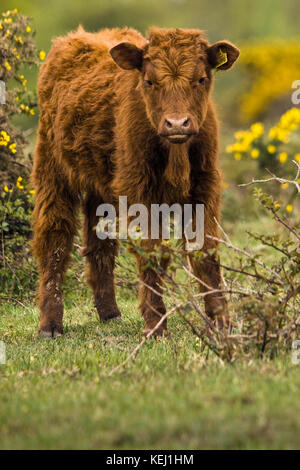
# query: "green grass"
57 393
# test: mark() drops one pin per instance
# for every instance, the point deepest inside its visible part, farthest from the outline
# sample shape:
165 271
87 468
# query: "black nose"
177 126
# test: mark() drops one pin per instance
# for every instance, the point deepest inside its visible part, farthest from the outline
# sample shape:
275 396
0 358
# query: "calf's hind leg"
100 256
54 229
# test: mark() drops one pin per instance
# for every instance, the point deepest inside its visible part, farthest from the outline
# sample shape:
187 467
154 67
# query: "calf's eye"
203 80
148 83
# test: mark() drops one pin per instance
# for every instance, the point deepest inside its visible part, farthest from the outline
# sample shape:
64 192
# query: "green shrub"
262 285
18 273
16 51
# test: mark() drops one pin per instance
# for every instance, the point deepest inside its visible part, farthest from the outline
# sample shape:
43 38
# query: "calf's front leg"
151 301
208 271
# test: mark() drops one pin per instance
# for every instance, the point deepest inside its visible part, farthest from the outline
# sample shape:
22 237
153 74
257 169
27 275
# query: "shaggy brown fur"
107 104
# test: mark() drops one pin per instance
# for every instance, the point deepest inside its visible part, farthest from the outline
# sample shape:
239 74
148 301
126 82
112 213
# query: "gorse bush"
16 51
262 286
17 274
269 148
272 149
270 68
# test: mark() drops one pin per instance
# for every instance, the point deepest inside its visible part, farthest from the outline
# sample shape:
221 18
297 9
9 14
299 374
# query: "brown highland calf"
121 115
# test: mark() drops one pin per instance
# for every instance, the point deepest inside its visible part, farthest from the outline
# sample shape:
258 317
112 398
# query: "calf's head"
176 77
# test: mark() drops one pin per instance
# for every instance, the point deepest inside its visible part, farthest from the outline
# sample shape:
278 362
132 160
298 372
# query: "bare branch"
280 180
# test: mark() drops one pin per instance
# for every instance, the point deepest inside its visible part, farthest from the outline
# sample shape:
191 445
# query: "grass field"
58 393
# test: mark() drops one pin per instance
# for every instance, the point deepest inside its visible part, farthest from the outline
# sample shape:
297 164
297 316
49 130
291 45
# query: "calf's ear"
127 56
222 55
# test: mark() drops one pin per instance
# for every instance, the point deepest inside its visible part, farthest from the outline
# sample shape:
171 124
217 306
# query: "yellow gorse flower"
271 149
263 59
245 139
4 135
10 12
255 143
7 65
283 157
4 139
7 190
288 123
255 153
297 157
26 109
12 148
18 183
289 208
257 130
42 55
19 40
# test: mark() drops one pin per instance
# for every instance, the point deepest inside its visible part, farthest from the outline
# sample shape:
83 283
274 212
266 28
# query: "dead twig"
280 180
12 299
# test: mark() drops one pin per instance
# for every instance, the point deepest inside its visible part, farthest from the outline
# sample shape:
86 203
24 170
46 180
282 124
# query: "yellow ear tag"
221 58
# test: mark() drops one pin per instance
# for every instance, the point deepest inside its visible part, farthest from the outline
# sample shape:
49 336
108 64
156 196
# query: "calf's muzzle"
177 129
